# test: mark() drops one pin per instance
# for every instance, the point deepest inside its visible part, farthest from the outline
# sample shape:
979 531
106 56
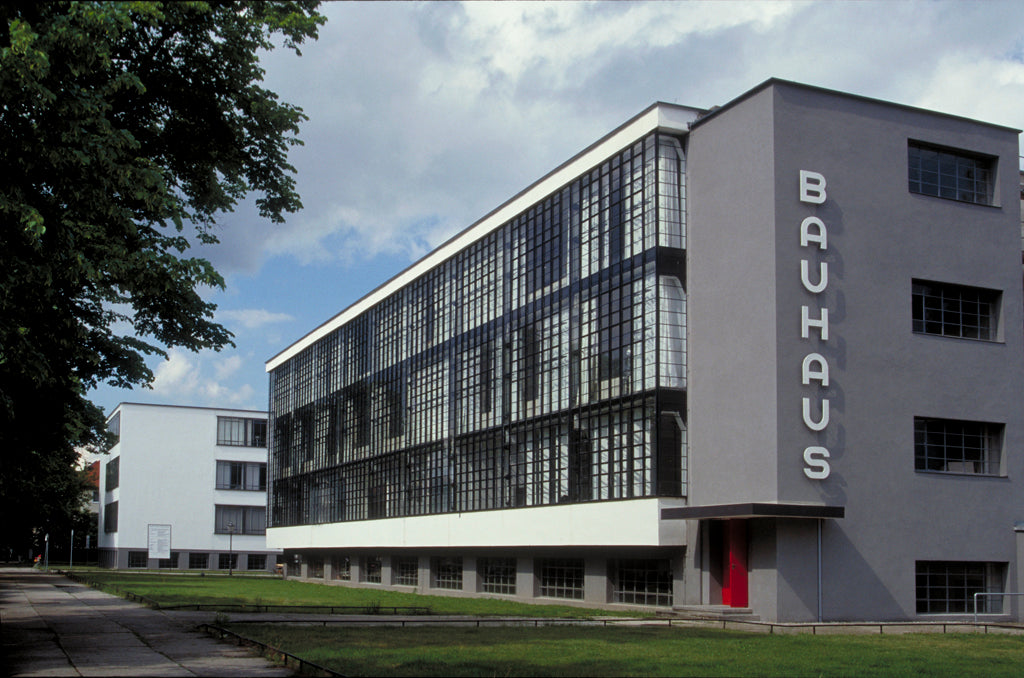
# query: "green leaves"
126 128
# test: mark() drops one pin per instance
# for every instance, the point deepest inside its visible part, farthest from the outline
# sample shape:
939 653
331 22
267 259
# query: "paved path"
51 626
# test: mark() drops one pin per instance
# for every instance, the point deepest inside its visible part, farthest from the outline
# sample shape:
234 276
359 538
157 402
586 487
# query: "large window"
241 520
373 566
341 568
957 311
946 173
522 371
954 446
561 578
110 517
114 426
446 573
241 475
198 561
241 432
138 559
642 582
497 575
405 571
948 587
113 474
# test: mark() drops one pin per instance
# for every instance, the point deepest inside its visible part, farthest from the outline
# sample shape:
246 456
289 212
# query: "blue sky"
425 116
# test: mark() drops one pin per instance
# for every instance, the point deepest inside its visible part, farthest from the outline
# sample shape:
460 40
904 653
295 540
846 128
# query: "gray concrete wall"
731 307
746 349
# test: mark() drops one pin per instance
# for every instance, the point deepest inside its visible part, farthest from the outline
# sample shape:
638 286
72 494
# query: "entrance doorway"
734 564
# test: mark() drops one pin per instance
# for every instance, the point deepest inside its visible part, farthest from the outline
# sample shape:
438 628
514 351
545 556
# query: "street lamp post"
231 548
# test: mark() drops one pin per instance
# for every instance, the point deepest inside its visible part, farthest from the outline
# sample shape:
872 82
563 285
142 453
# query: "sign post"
159 541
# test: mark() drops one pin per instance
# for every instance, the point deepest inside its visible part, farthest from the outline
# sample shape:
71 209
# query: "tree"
125 130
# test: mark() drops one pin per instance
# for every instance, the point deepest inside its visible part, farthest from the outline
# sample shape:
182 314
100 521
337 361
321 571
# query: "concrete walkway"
51 626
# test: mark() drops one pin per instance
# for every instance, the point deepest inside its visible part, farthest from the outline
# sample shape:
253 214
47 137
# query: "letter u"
822 277
810 423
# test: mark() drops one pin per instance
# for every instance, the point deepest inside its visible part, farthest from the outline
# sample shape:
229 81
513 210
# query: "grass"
179 589
633 651
562 650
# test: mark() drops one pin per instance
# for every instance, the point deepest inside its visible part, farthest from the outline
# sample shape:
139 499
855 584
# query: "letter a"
820 236
820 374
812 187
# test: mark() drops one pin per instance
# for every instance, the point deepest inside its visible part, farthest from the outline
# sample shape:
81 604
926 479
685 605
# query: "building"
765 357
185 488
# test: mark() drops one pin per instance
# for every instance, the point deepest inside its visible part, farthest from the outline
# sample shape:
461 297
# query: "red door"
734 564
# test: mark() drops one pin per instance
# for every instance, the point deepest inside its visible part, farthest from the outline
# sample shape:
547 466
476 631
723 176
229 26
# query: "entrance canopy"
753 510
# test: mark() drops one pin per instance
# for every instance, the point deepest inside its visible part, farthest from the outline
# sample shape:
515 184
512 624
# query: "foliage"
126 128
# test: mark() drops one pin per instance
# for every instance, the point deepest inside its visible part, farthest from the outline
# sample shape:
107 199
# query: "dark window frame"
113 474
948 587
497 575
405 571
562 578
228 470
110 517
446 572
958 446
955 311
248 516
241 431
951 174
642 581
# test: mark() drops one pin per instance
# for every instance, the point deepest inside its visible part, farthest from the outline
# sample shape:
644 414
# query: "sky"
423 117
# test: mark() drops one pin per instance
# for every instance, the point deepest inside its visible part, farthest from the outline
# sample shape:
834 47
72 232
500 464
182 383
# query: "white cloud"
563 42
978 87
204 379
228 366
178 373
253 318
425 116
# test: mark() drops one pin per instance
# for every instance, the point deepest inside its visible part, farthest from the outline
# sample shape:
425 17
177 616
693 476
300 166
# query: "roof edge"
716 111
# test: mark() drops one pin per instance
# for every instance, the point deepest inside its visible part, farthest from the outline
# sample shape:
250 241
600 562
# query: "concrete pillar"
355 569
470 579
526 582
595 581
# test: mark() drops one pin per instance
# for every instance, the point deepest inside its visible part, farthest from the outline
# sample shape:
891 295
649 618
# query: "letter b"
812 187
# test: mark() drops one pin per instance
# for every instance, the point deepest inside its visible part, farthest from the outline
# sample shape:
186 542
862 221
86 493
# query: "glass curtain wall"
543 364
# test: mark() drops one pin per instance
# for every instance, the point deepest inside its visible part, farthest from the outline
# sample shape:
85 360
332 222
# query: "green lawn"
632 651
563 650
177 589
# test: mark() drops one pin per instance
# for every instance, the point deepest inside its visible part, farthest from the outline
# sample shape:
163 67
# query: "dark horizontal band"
753 510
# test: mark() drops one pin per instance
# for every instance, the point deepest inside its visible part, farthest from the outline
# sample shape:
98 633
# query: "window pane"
947 174
949 310
954 446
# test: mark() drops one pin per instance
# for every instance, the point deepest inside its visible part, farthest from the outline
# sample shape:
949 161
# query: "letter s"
816 459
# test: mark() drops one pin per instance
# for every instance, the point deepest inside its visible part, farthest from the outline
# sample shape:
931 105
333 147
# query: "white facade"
163 471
